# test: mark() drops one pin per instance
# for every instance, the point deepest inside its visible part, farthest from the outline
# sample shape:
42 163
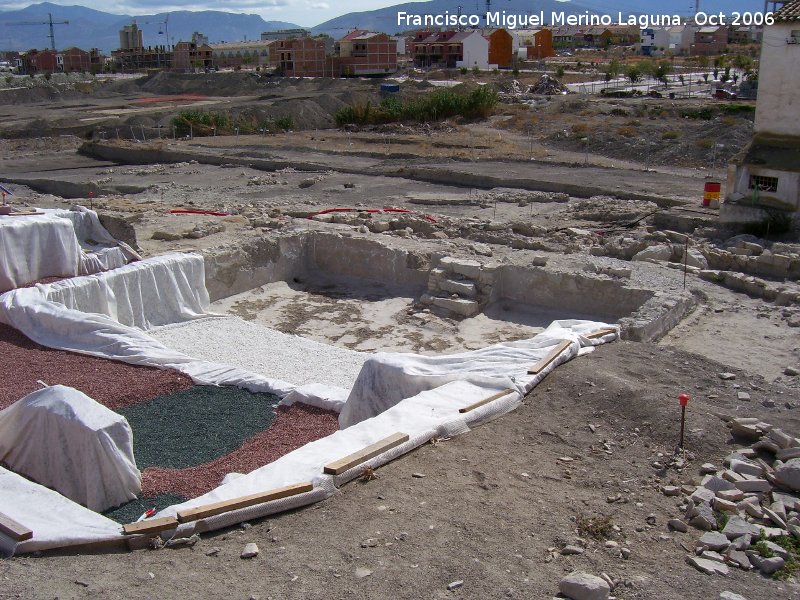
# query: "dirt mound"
209 84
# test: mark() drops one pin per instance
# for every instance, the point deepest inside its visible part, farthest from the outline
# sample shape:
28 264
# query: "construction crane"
163 27
49 22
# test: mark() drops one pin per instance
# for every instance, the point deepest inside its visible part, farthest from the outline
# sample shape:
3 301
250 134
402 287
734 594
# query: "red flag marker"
684 401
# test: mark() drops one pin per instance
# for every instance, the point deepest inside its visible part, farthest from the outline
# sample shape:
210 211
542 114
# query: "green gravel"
128 513
196 426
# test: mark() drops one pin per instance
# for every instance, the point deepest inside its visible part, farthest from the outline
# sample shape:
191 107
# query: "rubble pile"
549 86
750 510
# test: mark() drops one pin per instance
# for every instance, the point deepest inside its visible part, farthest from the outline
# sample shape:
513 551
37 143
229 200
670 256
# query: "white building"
681 38
654 41
232 54
476 50
766 175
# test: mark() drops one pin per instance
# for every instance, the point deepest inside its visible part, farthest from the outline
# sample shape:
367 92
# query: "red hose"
180 211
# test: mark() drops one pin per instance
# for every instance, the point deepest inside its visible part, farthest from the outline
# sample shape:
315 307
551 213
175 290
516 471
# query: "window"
763 184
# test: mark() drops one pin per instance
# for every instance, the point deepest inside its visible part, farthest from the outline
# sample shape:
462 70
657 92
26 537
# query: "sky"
303 12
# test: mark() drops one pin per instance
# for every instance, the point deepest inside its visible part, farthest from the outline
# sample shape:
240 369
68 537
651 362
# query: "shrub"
438 105
619 112
706 114
560 72
670 135
464 70
285 123
626 131
705 143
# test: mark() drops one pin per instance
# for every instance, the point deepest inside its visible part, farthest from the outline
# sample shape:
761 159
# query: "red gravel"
114 384
293 427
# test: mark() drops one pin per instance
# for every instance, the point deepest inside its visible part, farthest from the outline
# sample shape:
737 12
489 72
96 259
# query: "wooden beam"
16 531
491 398
351 460
601 333
217 508
150 526
550 357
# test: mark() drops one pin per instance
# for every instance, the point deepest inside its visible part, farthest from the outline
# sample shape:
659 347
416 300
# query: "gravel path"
233 341
293 427
113 384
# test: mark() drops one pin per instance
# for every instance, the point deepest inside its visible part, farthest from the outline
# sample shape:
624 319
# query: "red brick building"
302 57
364 53
709 41
187 56
40 61
501 44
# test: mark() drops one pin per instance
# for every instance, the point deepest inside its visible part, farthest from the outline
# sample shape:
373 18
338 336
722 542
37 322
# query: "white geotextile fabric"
59 243
265 351
55 520
62 439
388 378
35 247
103 315
421 417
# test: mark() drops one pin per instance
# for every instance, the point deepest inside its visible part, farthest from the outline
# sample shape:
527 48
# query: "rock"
418 475
677 525
568 550
703 518
717 484
671 490
767 565
454 585
722 505
759 485
361 572
369 543
213 551
654 253
731 495
777 550
788 474
711 555
726 376
707 469
746 468
166 236
250 551
743 396
736 526
714 540
709 567
583 586
730 596
739 558
742 542
791 371
703 495
625 553
306 183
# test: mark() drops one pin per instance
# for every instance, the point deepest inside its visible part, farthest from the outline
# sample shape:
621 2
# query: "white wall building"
654 41
681 38
767 173
476 50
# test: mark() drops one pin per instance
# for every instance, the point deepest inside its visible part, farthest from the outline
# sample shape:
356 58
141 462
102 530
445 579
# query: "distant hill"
92 28
385 19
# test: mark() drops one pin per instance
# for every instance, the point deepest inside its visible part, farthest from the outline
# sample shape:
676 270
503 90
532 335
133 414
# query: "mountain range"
92 28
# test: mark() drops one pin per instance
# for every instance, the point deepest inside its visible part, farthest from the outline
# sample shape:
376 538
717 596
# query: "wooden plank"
16 531
217 508
150 526
491 398
350 461
601 333
551 356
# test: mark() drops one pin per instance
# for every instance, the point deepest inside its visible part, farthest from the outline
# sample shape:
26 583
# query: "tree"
702 62
560 72
633 73
662 71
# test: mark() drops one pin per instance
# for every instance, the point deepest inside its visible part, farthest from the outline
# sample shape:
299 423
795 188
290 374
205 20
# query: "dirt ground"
494 507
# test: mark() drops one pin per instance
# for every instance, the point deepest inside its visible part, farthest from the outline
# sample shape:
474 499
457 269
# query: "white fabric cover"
62 439
56 244
103 315
55 520
35 247
388 378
